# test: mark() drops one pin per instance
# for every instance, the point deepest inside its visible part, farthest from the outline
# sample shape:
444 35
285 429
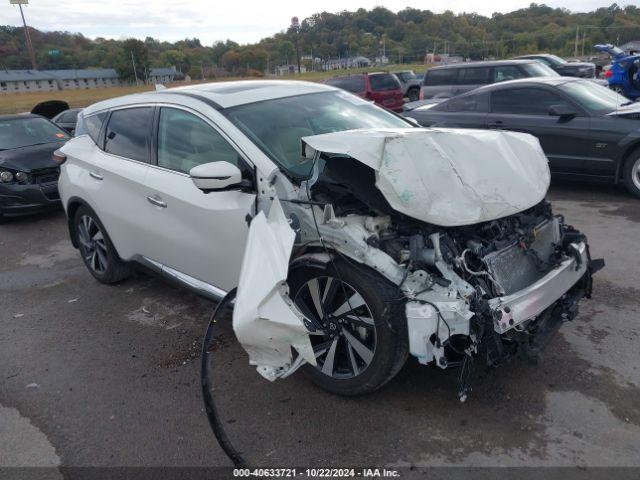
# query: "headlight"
6 177
21 176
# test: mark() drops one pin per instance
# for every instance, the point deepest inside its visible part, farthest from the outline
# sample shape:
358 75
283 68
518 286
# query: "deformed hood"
446 177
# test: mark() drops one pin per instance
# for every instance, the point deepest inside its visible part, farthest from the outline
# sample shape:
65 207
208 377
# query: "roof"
534 55
223 94
493 63
28 75
532 80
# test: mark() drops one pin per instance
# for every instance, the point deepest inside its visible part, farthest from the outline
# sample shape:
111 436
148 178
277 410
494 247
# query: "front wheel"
631 174
414 94
361 341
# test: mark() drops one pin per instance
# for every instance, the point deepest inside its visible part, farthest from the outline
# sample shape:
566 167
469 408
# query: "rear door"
526 109
200 234
115 181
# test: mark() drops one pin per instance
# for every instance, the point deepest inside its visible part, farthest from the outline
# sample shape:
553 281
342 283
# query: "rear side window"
69 117
128 133
352 84
442 76
90 125
384 81
474 76
507 72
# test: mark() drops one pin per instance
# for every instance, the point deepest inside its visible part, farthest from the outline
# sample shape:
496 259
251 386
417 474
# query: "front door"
565 141
199 234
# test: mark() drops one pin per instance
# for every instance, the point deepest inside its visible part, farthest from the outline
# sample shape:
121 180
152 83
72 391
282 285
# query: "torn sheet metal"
265 321
446 177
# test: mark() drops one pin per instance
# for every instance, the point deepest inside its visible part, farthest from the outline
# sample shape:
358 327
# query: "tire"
631 173
413 94
97 251
370 341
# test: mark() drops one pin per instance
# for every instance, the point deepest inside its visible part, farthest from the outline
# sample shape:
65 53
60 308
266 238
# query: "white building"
21 81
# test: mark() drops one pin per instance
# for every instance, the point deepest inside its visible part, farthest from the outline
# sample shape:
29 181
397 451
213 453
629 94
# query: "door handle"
496 124
95 175
156 201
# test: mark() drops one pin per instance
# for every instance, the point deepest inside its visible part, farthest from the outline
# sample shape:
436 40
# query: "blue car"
624 74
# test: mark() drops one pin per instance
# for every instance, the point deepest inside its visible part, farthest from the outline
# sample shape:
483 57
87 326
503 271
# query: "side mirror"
562 111
215 176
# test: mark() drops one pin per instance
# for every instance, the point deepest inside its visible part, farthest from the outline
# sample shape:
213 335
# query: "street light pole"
27 37
295 26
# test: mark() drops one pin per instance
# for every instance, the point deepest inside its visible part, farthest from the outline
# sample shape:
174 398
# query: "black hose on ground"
207 385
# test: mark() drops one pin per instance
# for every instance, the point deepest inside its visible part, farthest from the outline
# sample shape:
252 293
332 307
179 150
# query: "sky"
243 21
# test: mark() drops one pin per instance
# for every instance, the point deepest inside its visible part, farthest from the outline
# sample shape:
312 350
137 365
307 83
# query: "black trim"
201 98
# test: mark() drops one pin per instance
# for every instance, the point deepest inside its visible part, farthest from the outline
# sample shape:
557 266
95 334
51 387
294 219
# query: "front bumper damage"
517 291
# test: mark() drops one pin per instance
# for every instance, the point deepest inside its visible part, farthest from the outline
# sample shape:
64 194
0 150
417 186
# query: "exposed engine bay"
488 290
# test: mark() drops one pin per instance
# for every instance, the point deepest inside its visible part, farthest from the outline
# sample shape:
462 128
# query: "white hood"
446 177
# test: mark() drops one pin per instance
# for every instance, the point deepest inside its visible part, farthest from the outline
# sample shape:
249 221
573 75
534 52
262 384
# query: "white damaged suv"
364 238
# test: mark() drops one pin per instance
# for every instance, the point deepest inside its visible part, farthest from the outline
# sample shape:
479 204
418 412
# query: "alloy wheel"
92 244
344 340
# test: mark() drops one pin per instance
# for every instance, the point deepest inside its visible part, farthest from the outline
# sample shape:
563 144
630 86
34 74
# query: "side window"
186 141
442 76
525 101
474 76
90 125
354 83
507 72
467 103
129 133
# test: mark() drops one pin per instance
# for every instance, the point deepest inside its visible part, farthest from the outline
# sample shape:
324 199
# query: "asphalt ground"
108 376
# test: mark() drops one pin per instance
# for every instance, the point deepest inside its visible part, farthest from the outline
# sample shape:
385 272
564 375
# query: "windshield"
24 132
594 97
537 69
276 126
556 60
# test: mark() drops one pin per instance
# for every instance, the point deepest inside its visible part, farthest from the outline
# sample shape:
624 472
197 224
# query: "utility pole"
295 26
133 62
583 35
27 37
575 49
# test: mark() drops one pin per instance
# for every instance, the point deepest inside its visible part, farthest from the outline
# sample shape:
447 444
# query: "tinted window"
443 76
506 72
128 133
69 116
538 69
474 76
468 103
383 81
525 101
593 96
353 83
92 125
186 141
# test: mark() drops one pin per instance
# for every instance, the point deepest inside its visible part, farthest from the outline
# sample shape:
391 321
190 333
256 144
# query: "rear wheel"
631 174
360 341
98 253
413 94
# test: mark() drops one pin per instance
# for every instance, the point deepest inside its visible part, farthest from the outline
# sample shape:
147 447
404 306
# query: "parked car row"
587 131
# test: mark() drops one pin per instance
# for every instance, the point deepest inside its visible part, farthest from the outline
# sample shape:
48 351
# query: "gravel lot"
92 375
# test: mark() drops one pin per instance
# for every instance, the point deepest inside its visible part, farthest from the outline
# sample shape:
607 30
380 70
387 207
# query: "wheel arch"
624 158
72 207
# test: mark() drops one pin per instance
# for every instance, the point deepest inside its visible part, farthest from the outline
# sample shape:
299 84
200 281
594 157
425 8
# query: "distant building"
21 81
289 69
165 75
347 62
442 58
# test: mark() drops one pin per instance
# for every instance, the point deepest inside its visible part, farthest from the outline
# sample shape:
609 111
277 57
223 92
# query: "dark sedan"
28 174
562 67
587 131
